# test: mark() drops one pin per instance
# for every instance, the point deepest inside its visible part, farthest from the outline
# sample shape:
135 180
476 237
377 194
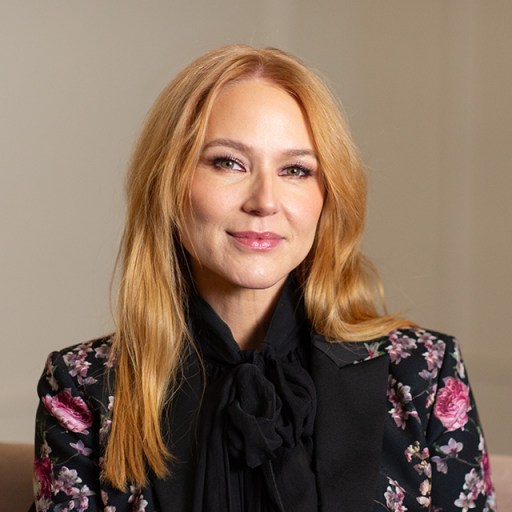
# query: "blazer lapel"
351 388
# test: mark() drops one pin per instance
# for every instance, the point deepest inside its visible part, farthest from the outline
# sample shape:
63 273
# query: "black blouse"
254 445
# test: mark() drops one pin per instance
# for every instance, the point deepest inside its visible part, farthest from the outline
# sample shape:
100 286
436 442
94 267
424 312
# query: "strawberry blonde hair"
342 292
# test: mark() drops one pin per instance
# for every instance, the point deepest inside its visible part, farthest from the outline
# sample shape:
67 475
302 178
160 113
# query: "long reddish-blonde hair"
341 291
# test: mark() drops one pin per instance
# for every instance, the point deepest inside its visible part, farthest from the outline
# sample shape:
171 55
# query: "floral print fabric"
433 416
73 415
433 458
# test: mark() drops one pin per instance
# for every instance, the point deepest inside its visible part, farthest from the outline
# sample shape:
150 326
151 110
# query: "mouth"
257 240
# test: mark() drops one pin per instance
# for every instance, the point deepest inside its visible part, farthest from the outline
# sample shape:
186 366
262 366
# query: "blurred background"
427 88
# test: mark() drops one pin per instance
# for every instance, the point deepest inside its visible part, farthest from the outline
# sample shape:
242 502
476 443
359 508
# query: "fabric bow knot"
252 416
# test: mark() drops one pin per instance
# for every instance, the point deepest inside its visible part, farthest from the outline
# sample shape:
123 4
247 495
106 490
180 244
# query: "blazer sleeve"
460 462
69 422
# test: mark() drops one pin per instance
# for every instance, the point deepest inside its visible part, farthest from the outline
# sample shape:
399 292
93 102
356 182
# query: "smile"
258 241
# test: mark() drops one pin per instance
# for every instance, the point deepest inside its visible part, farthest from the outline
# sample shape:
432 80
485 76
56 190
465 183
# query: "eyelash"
307 172
216 161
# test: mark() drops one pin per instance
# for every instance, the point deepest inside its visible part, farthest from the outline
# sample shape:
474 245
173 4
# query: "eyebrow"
240 146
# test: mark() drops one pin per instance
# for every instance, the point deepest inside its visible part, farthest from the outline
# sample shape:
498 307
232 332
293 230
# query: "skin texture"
256 198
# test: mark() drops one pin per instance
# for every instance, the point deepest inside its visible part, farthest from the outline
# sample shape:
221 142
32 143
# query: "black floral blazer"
396 430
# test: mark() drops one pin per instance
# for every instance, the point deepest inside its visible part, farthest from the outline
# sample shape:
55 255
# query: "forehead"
258 108
249 90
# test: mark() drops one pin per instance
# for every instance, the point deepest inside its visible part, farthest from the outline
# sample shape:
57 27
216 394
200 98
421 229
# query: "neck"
247 312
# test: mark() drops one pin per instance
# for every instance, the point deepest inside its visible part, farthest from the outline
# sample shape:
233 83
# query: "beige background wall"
427 88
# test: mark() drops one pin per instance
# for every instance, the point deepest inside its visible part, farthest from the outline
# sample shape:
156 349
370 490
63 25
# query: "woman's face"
256 194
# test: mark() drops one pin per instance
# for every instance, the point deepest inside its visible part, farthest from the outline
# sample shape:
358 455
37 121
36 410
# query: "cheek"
205 217
199 214
193 228
308 211
208 205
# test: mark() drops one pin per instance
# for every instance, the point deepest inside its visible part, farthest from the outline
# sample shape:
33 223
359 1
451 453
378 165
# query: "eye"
296 171
227 164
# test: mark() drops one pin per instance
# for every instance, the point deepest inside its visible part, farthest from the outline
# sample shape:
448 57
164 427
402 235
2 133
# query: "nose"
262 198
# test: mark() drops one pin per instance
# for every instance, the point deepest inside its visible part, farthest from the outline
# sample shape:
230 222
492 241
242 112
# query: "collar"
288 330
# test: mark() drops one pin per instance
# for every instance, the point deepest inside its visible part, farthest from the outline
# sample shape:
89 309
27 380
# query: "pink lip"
259 241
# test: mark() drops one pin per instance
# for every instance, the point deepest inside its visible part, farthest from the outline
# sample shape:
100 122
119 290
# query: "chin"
259 282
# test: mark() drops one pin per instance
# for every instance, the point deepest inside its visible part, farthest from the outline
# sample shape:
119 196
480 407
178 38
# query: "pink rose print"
42 477
70 411
486 472
452 404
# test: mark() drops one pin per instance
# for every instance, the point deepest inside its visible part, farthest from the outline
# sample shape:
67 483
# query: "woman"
251 369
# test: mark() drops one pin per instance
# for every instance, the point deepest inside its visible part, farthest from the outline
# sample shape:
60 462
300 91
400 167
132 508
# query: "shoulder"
84 361
418 355
83 369
405 348
418 359
90 351
419 345
425 368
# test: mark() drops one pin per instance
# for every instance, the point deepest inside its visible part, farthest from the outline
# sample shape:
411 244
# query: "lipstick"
258 241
